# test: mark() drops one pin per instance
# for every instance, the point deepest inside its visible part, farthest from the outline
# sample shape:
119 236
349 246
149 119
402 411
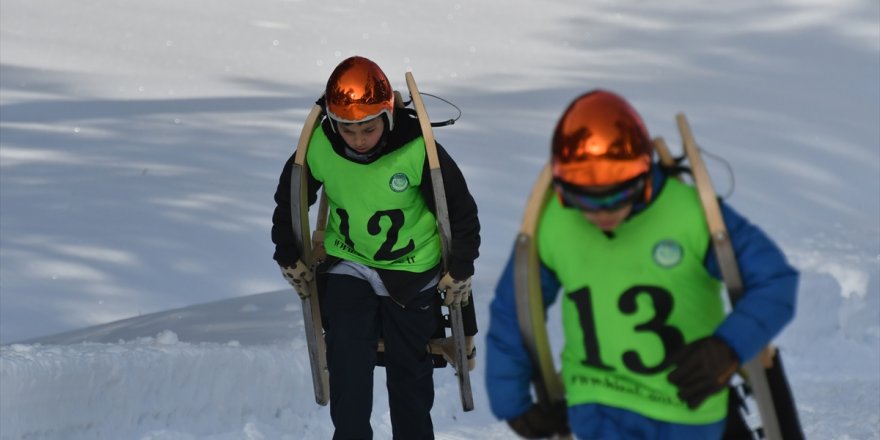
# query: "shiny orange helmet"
600 140
358 91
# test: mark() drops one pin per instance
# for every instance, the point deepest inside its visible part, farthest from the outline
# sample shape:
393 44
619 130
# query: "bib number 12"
386 251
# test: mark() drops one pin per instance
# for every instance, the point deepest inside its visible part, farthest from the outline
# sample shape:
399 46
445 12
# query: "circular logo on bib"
399 182
668 253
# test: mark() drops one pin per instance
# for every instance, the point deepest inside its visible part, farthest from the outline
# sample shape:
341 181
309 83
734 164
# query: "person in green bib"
648 348
381 275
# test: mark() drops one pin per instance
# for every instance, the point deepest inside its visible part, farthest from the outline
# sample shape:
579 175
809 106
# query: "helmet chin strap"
649 186
369 156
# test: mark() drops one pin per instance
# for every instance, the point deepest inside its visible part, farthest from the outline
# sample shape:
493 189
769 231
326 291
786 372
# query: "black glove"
539 422
702 368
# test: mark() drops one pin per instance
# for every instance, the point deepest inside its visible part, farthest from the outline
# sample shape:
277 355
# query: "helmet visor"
358 91
610 199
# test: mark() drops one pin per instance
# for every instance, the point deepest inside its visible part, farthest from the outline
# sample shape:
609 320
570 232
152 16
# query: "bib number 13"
670 337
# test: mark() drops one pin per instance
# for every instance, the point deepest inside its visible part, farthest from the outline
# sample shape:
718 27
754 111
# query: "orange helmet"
358 91
600 140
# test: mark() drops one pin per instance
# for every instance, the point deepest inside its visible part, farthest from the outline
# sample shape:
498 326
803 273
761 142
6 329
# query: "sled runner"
764 375
459 360
299 207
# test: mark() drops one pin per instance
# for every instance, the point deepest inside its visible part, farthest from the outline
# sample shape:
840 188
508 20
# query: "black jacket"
464 223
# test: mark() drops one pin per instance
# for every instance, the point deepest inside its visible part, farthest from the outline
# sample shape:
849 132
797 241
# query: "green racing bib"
377 215
631 301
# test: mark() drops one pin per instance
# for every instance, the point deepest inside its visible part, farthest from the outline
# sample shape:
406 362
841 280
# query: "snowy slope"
228 370
209 388
140 145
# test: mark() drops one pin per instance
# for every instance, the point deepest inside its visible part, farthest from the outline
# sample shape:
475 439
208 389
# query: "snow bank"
154 385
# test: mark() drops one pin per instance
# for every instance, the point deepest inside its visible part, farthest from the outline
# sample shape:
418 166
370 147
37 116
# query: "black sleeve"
286 252
463 220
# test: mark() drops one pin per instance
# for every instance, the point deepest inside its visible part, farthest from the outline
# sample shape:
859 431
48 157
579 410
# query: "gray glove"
299 276
456 292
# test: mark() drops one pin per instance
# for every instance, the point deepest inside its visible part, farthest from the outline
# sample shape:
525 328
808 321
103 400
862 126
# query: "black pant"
356 319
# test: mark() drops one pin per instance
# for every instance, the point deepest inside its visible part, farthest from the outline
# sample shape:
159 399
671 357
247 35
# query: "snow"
141 145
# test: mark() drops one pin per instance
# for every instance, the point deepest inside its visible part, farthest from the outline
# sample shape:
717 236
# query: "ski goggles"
611 199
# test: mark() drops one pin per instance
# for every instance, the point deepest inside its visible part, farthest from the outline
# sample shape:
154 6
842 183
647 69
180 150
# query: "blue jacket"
768 304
